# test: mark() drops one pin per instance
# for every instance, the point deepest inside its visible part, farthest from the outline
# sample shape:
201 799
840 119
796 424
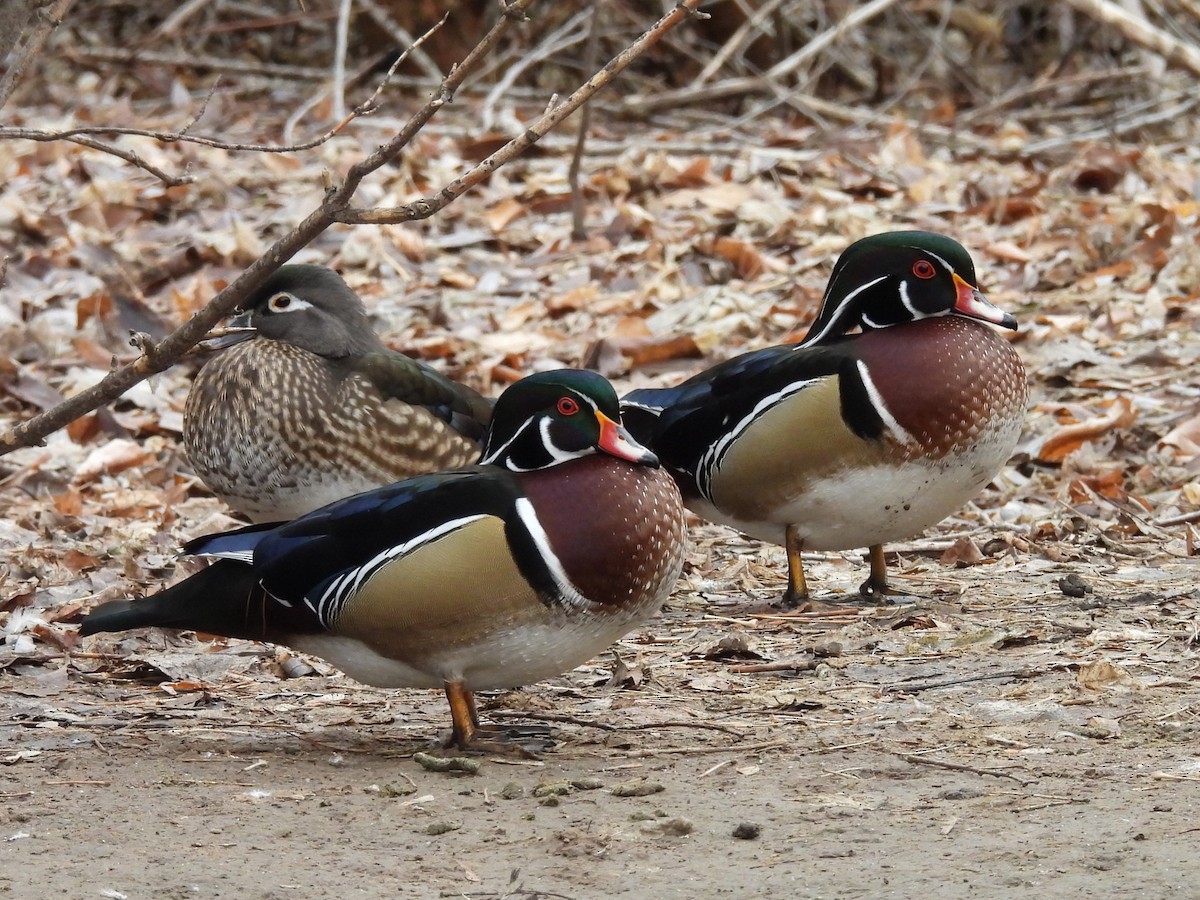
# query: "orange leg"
462 713
797 589
877 584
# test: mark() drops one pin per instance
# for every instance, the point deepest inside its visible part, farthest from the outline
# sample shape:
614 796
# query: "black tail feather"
224 599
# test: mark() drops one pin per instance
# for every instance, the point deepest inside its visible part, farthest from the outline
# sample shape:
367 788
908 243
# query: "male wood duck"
850 440
310 406
565 536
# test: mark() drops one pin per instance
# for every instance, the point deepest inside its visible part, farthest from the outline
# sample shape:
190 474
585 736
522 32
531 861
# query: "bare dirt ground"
1025 725
998 740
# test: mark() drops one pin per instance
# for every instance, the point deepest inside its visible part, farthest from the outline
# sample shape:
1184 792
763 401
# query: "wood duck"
309 406
850 440
565 536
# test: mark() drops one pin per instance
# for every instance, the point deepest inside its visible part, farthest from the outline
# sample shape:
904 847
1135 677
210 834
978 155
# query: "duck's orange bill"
971 303
616 441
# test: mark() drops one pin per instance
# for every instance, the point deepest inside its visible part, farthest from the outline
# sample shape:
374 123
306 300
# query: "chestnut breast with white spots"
948 382
957 391
617 528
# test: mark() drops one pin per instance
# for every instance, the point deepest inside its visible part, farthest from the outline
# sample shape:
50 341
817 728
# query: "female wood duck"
313 407
850 440
564 537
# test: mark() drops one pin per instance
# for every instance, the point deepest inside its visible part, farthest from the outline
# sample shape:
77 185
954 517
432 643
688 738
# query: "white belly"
507 660
876 504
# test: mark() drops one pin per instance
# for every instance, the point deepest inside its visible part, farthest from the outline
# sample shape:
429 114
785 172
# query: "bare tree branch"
733 86
83 134
157 357
51 19
1139 31
578 202
335 208
426 207
384 20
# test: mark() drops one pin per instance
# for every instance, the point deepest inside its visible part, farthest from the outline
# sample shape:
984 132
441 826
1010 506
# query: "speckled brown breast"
946 381
617 528
276 432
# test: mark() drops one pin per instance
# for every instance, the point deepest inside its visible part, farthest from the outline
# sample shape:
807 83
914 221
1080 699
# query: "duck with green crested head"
563 538
851 438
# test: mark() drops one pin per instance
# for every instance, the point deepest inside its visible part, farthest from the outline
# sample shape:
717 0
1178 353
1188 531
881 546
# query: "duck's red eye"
923 268
567 406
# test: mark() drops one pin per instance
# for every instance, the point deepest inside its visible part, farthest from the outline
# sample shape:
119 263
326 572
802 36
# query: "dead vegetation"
1051 661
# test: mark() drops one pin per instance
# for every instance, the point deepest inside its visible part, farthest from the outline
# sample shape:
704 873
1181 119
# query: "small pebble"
747 831
446 763
390 790
1074 586
436 828
637 788
674 827
552 789
959 794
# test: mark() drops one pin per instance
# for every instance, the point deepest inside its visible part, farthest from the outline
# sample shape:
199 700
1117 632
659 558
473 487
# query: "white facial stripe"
568 593
869 322
949 268
710 462
330 603
557 453
880 408
845 302
904 298
491 457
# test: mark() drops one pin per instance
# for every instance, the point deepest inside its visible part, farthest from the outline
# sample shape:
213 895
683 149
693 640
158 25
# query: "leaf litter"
693 256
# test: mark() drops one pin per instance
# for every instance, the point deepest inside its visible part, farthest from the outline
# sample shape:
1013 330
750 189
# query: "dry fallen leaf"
1101 675
1185 438
965 552
1059 444
117 455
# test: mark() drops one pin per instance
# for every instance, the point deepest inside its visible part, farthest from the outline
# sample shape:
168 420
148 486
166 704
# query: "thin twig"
933 684
1181 519
769 78
1116 129
387 22
553 43
605 726
752 25
578 202
426 207
217 64
704 748
341 40
1136 29
183 136
51 19
959 767
795 665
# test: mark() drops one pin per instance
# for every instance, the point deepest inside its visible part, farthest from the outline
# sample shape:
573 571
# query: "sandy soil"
994 738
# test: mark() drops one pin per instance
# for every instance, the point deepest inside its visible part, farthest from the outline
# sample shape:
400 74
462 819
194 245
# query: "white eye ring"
285 302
